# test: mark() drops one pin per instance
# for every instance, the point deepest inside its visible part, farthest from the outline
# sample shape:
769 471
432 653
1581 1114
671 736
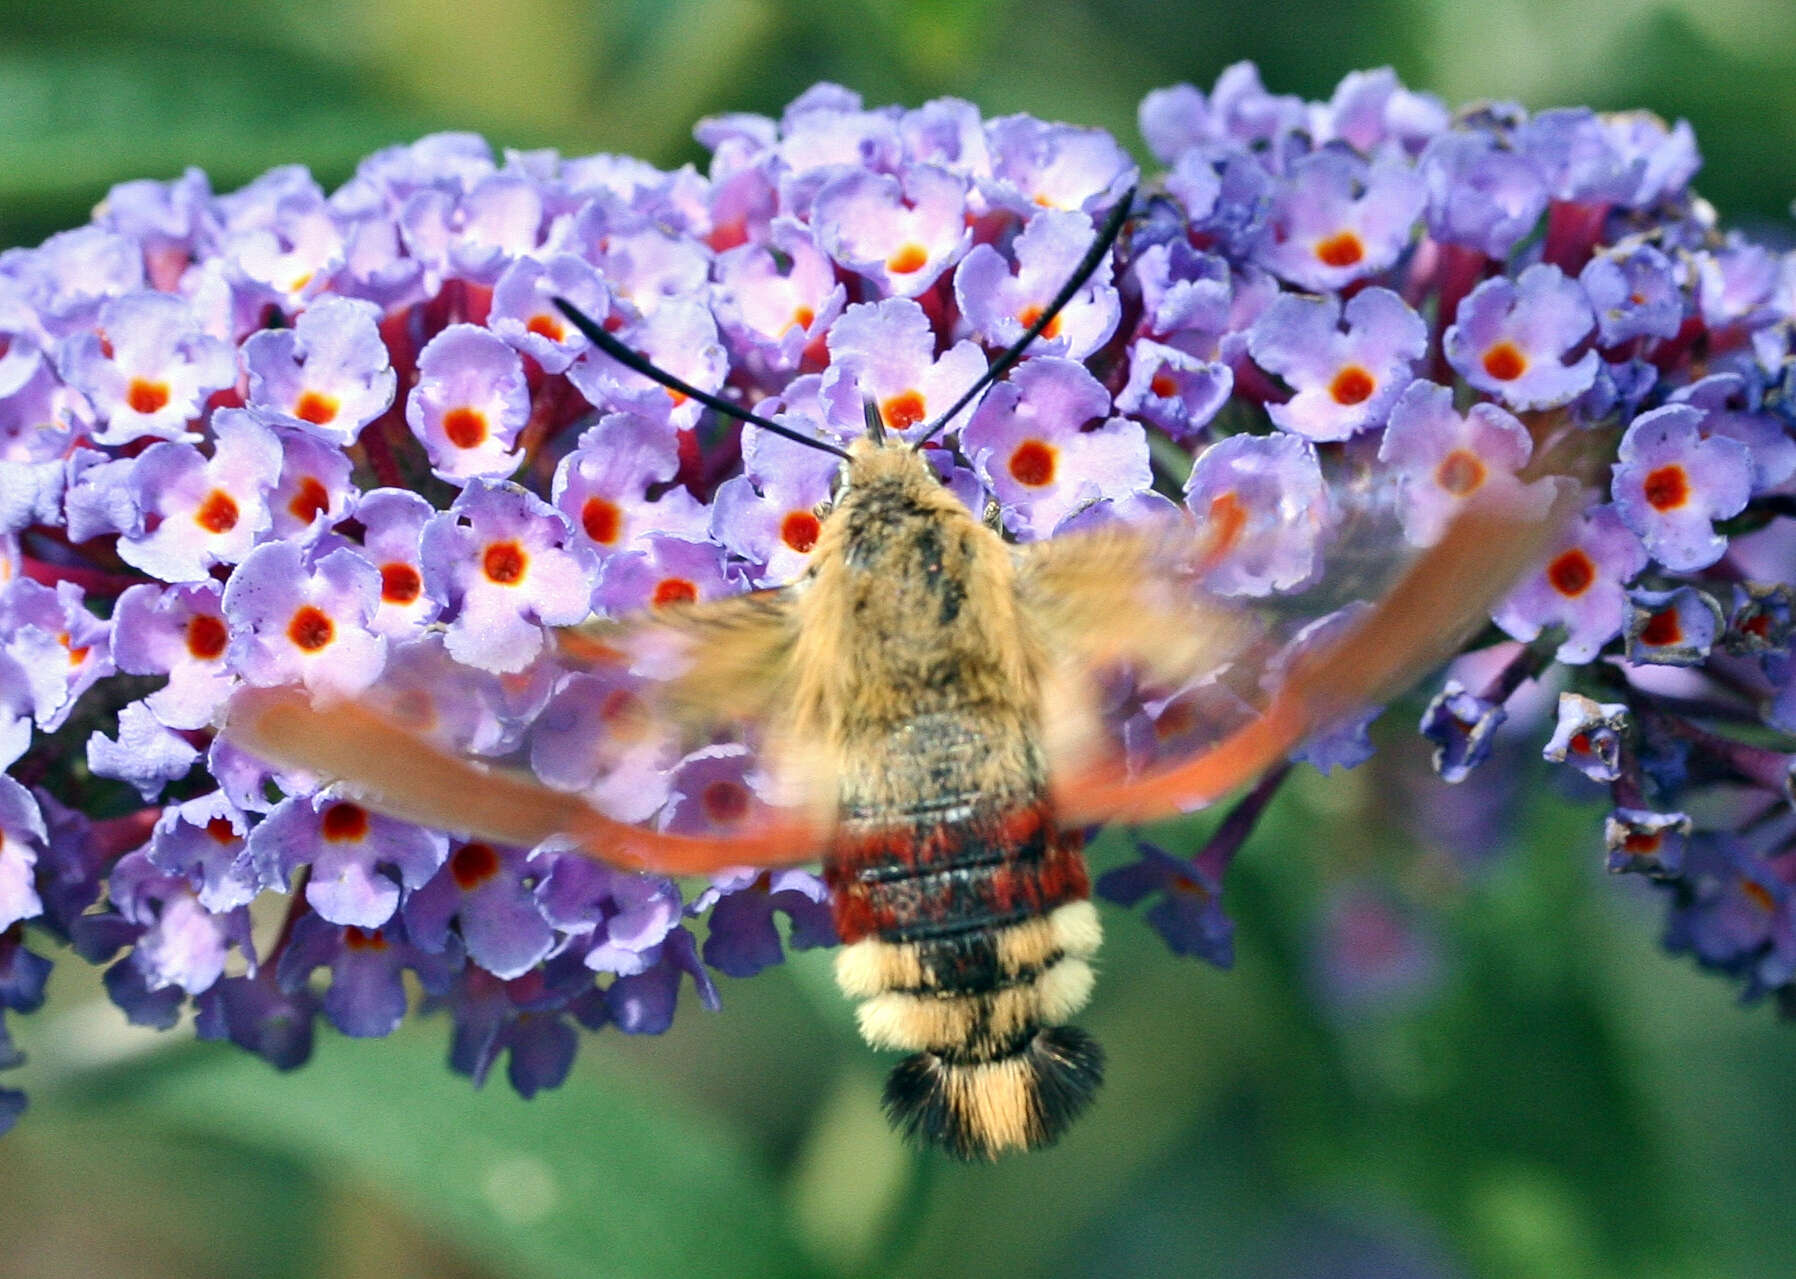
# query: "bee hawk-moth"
926 689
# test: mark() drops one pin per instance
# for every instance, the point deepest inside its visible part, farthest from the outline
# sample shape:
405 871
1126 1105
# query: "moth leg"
397 772
1443 595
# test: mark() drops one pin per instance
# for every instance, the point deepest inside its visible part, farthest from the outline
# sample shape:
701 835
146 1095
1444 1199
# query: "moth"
930 687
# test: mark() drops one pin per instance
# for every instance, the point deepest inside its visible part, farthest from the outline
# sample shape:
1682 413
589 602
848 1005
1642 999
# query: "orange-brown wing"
400 772
1444 594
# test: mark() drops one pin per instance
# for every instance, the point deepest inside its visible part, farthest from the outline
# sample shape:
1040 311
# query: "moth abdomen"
967 945
976 1108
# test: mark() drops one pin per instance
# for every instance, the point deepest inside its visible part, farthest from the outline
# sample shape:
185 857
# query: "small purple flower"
1184 290
146 754
1175 391
366 998
1671 484
1635 295
22 840
768 514
199 512
297 622
1462 725
679 336
899 231
602 486
392 534
314 491
329 375
1512 338
1442 460
1481 194
202 841
504 562
1037 165
1370 108
1588 736
715 792
618 920
1188 914
1262 506
1347 366
1737 907
488 893
258 1016
1336 219
666 572
885 352
1028 443
778 297
182 943
1580 588
359 859
1732 408
1000 304
149 370
1672 628
525 315
59 647
1646 843
469 404
642 1003
178 631
280 238
1735 285
742 938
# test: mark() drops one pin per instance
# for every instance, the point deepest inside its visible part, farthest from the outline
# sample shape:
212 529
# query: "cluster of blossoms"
345 440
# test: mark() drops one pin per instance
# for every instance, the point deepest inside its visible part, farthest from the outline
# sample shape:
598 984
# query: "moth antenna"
631 360
876 425
1100 248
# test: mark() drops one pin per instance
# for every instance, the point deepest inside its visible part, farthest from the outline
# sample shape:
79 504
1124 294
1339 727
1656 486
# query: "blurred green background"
1540 1093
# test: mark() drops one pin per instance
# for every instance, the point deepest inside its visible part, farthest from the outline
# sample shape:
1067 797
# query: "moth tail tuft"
980 1108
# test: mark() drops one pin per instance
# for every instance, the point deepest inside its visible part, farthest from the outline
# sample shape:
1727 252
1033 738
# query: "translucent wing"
400 749
401 772
1441 597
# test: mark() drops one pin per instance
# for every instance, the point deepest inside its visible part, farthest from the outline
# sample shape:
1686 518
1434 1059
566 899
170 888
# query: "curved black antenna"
1106 237
631 360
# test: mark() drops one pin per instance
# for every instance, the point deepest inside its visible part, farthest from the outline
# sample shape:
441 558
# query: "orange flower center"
1505 362
799 530
1667 488
1459 473
217 513
315 408
1343 248
464 427
1032 463
311 629
1352 385
1571 573
504 563
147 397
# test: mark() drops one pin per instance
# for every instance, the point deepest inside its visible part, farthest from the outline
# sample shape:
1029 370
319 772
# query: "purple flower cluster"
345 440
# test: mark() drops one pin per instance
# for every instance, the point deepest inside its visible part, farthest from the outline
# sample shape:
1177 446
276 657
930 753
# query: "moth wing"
1129 593
400 772
716 662
722 660
1443 595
